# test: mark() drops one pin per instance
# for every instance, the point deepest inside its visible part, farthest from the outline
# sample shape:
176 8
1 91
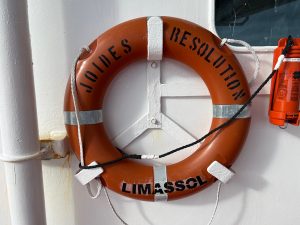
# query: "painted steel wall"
265 189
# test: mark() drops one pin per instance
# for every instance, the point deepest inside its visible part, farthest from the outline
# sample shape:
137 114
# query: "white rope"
75 102
216 204
13 159
99 189
113 208
255 57
123 222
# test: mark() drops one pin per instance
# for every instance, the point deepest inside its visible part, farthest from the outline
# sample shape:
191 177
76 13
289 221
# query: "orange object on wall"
284 95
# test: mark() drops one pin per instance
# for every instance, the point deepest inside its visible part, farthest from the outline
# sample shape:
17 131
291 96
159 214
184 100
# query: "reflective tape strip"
85 117
291 60
227 111
160 177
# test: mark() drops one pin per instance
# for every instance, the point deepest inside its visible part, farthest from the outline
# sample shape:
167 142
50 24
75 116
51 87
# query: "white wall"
265 189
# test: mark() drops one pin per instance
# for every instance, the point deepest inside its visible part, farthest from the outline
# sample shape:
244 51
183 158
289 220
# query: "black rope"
287 47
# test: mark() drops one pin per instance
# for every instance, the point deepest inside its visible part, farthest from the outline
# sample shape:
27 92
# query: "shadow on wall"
254 159
86 20
293 130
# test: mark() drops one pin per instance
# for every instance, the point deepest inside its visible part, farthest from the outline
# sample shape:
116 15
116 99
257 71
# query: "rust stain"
51 154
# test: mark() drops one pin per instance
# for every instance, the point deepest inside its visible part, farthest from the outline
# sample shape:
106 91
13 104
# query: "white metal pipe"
18 121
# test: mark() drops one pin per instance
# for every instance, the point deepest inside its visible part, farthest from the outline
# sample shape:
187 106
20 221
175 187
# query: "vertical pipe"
18 121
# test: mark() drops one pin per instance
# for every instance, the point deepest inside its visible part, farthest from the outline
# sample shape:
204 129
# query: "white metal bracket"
155 118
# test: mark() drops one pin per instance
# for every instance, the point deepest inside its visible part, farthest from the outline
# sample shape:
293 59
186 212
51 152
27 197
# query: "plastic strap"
220 172
85 176
99 189
155 38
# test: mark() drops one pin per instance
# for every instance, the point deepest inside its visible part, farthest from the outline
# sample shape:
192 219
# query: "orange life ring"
183 41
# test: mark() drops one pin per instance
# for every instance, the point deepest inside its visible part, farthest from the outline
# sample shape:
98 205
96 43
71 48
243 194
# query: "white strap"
99 189
255 57
13 159
85 176
155 38
220 172
154 57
